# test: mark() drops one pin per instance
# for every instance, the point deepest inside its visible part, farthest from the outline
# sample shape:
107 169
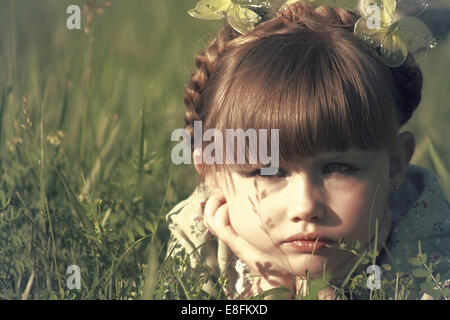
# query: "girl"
344 178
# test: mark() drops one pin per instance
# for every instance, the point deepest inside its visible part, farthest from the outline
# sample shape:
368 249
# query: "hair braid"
302 13
206 62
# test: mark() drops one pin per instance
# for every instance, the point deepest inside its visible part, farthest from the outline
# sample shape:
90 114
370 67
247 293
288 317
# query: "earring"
395 187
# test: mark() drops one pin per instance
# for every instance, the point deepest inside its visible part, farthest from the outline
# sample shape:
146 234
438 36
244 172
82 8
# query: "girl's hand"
266 274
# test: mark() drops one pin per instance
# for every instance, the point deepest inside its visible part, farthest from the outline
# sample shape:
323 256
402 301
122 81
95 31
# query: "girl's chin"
315 265
334 268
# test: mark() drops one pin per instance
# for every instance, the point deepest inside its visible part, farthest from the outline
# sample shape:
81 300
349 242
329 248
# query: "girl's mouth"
312 242
306 245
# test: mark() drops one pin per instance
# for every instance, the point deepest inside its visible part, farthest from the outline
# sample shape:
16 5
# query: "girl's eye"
343 168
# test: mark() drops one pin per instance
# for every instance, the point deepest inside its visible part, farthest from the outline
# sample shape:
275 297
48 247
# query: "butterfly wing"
377 16
268 9
415 33
386 7
242 19
265 9
210 9
393 50
374 37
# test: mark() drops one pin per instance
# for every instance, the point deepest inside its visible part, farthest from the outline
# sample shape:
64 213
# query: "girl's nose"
306 204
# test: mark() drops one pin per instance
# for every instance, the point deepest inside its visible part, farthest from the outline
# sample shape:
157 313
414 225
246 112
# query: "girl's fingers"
221 227
211 207
217 220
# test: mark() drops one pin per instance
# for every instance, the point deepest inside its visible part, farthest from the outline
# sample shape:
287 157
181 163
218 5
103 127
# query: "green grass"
85 170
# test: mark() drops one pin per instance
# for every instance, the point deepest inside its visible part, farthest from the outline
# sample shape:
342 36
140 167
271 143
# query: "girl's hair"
306 74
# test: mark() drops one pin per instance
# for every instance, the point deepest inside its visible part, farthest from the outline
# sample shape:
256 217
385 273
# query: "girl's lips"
311 242
306 245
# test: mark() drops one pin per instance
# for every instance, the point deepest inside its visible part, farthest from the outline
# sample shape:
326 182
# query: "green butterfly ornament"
238 15
396 39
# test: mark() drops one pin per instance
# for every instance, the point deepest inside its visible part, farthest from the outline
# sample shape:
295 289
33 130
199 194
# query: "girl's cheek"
242 219
251 226
354 207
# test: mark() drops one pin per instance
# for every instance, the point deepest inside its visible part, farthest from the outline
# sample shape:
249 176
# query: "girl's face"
330 195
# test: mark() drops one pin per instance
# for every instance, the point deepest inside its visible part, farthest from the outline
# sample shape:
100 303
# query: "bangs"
320 90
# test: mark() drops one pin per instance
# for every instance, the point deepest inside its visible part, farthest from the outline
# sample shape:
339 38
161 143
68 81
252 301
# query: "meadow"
85 123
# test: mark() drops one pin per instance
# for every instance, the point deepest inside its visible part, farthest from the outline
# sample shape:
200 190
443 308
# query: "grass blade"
2 110
347 278
76 205
104 153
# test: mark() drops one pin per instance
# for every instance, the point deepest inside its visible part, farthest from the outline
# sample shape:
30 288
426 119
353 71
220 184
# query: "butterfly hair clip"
376 25
395 38
242 15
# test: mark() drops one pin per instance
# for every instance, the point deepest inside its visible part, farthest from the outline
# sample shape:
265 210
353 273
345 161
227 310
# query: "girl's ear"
399 161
